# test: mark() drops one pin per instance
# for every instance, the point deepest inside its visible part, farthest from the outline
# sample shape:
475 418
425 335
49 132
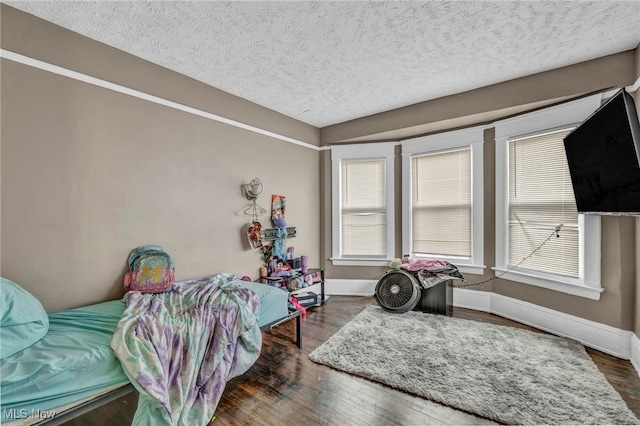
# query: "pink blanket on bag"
432 265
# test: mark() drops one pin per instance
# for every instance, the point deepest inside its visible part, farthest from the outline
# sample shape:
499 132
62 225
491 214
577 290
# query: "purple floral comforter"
179 348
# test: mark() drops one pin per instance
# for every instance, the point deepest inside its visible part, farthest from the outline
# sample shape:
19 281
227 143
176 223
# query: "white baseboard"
611 340
470 299
619 343
635 353
614 341
350 287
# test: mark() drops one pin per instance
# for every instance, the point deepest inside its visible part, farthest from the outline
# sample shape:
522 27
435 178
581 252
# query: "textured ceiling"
329 62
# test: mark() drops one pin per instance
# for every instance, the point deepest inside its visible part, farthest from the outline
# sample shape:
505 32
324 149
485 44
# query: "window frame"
472 138
358 152
570 114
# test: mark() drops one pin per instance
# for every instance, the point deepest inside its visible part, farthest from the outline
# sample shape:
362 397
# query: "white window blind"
363 208
441 203
540 198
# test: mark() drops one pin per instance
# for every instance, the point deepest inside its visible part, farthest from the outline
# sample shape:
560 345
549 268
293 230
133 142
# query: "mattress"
71 362
74 360
273 301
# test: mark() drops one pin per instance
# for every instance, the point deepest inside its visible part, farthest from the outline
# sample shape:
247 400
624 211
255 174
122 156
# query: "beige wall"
87 174
616 306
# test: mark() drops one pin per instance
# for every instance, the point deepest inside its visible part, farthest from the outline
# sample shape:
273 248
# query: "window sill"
566 285
470 269
465 269
359 262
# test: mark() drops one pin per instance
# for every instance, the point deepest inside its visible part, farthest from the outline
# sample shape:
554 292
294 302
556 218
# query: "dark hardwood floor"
285 388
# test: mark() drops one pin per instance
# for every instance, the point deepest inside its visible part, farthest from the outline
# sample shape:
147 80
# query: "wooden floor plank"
284 387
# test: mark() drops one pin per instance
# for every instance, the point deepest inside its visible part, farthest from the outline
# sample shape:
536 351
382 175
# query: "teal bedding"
23 320
74 359
273 301
71 362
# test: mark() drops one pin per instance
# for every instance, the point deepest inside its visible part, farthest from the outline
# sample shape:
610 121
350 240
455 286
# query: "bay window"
443 198
362 188
540 237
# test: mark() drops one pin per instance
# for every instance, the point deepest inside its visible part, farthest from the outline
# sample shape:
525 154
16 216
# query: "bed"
72 368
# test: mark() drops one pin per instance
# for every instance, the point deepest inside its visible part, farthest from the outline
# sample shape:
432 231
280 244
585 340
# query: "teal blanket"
179 348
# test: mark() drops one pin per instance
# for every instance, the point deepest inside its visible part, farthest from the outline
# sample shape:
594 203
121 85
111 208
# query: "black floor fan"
398 291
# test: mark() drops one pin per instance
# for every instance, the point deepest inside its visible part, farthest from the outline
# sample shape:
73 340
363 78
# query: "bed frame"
90 404
293 313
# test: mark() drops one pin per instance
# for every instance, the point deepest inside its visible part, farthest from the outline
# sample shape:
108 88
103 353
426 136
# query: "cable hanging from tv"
556 233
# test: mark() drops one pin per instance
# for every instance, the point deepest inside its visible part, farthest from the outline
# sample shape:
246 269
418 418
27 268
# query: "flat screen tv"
603 154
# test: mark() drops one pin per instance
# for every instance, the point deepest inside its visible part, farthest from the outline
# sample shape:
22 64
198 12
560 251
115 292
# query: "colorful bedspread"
179 348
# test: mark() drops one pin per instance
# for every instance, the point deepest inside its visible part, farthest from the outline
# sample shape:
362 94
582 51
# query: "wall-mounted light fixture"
253 189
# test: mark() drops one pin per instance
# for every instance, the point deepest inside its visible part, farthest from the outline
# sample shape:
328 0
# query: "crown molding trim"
45 66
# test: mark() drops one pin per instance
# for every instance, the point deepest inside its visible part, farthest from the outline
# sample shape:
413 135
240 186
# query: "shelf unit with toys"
291 274
302 285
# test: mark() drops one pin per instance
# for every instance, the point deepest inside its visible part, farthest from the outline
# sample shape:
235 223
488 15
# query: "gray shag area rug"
501 373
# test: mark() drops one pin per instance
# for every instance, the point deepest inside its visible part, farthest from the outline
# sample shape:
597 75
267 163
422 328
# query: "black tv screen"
603 154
